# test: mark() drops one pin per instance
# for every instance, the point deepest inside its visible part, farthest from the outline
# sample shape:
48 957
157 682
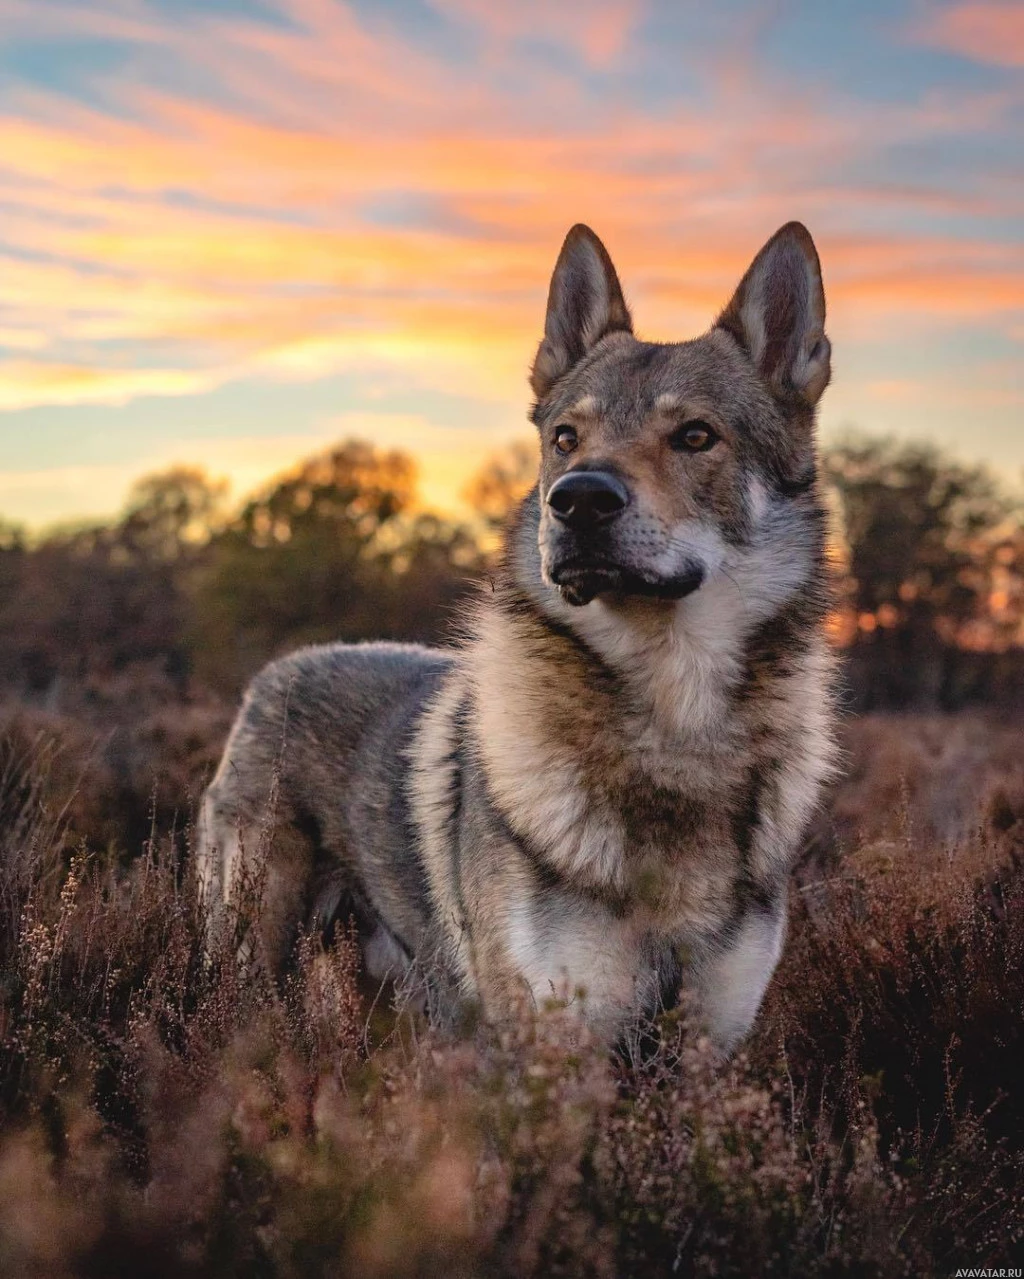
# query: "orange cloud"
25 384
995 391
986 32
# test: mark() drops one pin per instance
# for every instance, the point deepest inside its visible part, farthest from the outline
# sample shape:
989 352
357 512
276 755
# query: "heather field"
164 1115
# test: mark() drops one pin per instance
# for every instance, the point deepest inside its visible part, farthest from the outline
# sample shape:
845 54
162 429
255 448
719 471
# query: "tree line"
186 592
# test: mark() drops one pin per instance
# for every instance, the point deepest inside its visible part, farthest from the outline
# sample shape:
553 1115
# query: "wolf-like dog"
599 791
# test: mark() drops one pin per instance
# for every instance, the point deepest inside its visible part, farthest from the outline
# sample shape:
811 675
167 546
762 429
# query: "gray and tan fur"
600 792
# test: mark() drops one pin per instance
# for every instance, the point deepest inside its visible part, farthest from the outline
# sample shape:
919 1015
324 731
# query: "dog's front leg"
731 977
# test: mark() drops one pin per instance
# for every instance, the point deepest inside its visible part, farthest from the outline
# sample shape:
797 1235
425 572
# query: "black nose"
584 499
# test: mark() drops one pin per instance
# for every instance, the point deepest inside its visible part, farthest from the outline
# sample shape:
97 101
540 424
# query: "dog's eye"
565 439
694 437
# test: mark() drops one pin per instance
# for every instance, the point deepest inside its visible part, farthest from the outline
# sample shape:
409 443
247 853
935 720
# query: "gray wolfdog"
599 793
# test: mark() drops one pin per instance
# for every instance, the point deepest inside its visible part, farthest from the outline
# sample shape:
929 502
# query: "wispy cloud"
597 31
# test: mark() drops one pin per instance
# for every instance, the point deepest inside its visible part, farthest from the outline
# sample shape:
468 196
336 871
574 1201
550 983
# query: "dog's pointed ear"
585 303
778 316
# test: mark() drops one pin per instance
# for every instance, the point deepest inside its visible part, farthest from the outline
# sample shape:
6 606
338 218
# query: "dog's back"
307 786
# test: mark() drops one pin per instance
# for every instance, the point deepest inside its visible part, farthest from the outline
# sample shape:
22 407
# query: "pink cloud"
978 29
596 30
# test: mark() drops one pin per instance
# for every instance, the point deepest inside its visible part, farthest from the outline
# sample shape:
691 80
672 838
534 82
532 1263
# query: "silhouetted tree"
504 479
331 551
172 515
924 536
84 605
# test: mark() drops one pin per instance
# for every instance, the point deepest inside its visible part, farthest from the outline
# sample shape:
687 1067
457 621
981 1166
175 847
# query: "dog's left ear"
778 316
585 304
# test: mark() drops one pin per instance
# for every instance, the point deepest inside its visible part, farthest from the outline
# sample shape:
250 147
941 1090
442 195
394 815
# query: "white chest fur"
581 954
599 964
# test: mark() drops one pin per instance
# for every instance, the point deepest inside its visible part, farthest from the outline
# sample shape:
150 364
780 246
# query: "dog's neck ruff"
572 746
609 733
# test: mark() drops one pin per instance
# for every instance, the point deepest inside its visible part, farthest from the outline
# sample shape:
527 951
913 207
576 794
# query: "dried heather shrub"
169 1109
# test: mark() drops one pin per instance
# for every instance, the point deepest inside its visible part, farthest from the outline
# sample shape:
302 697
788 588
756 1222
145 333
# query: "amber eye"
694 437
565 439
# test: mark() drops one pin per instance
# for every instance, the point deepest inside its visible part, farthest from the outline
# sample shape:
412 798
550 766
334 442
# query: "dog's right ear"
585 303
778 316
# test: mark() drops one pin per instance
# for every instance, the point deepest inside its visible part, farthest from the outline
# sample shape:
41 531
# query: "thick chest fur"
584 829
664 800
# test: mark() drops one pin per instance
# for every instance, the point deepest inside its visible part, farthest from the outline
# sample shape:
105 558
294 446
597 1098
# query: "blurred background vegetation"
194 595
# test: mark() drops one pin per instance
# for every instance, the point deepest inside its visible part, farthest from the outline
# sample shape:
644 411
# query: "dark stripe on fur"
775 645
456 759
669 968
518 604
746 815
549 877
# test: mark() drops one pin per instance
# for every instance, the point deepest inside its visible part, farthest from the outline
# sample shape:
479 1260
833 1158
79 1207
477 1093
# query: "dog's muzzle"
585 505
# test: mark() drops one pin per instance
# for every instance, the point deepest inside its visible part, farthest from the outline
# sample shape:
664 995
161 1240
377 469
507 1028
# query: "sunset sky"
232 231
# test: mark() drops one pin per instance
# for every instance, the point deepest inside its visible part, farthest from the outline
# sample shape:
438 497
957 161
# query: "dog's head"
658 459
